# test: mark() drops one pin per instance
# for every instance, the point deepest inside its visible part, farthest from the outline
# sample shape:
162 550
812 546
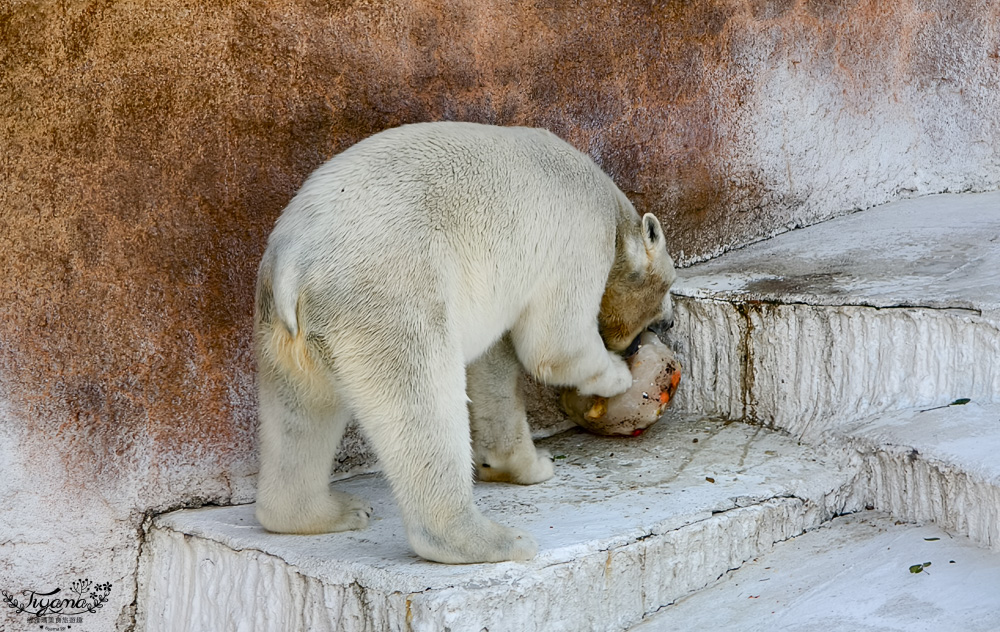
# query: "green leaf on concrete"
919 568
962 401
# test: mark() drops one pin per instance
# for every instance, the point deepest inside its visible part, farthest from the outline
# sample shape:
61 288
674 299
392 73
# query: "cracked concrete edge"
915 488
622 584
134 613
611 588
750 300
266 574
808 368
142 575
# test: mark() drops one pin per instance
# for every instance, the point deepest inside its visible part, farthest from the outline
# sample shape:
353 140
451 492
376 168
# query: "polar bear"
406 285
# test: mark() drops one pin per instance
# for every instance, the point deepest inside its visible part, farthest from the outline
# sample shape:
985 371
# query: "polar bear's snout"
666 320
661 327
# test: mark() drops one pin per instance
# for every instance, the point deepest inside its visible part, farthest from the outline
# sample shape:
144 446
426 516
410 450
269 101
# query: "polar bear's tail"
285 290
280 336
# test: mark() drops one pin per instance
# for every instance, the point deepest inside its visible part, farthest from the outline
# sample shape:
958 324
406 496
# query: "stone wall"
147 147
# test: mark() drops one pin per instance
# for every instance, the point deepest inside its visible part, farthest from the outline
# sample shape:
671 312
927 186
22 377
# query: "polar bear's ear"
652 234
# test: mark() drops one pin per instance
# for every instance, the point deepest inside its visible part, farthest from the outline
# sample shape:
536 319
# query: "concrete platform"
937 464
851 574
938 252
895 307
625 527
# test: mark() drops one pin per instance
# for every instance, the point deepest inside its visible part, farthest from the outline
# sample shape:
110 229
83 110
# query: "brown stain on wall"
148 147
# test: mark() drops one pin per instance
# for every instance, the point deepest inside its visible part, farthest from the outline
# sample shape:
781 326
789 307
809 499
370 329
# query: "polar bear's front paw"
479 541
616 379
530 467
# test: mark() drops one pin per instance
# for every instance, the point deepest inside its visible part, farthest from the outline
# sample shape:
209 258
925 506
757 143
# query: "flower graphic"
80 586
99 595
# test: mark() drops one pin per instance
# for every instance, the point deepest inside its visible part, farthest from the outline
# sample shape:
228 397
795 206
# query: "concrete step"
924 466
896 307
853 573
876 333
937 464
625 527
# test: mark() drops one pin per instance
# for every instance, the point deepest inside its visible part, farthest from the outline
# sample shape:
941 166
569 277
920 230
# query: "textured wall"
147 147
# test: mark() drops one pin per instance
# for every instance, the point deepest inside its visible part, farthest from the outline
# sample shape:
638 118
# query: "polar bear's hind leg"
423 443
301 425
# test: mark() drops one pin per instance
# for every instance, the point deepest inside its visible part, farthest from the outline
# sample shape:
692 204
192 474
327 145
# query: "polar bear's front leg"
569 352
299 436
501 440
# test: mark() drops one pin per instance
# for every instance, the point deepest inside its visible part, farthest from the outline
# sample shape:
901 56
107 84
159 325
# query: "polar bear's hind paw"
483 543
330 513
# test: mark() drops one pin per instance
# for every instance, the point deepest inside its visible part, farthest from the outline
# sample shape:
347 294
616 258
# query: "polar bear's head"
637 293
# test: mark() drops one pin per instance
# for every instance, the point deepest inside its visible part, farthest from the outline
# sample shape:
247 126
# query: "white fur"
400 262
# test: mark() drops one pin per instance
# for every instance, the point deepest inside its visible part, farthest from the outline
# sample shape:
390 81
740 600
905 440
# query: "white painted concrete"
783 332
625 527
938 251
852 574
935 465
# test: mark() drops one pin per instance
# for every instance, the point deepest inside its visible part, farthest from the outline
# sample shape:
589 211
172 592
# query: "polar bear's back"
476 215
434 175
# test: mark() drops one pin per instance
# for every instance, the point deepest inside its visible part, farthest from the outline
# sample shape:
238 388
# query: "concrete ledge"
851 574
935 465
807 369
626 527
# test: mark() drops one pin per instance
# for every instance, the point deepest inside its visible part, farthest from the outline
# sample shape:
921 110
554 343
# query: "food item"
655 376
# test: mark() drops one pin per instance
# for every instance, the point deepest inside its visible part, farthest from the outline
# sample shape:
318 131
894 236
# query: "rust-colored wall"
147 147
